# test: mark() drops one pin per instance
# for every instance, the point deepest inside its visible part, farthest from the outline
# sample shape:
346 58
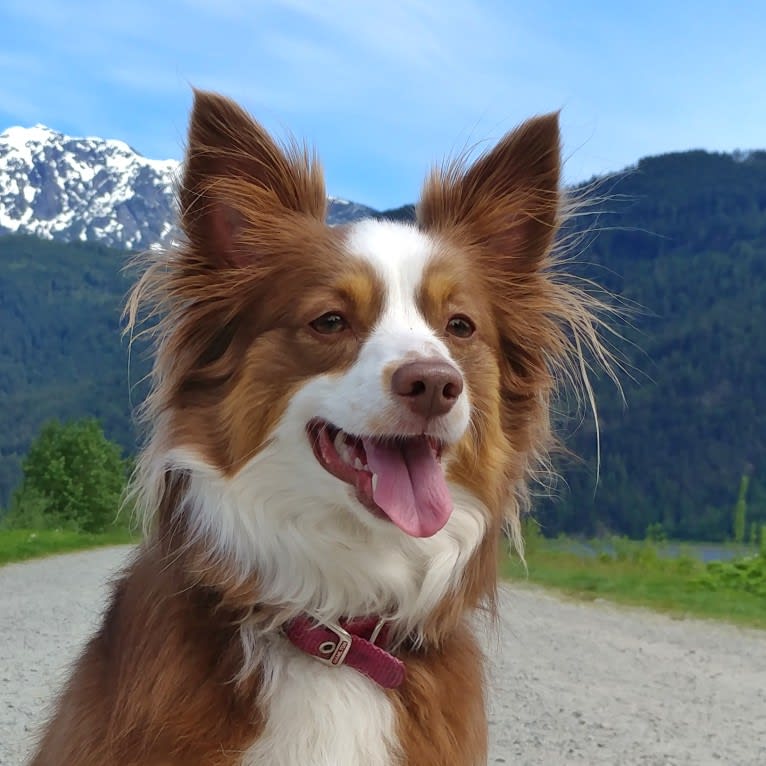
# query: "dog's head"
374 393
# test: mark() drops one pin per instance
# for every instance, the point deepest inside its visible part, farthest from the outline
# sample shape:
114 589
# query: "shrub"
73 478
29 510
748 574
656 533
531 534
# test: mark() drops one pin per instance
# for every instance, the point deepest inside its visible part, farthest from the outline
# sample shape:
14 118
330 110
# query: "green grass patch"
634 574
22 544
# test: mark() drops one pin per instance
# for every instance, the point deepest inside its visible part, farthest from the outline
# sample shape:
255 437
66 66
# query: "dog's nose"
429 387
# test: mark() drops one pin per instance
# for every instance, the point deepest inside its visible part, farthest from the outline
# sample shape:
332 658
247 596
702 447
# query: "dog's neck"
302 552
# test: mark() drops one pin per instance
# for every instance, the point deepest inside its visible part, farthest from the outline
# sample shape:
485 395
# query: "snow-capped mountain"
88 189
342 211
92 189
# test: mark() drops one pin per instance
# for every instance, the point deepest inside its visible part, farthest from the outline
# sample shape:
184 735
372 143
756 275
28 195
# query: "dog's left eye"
461 327
330 323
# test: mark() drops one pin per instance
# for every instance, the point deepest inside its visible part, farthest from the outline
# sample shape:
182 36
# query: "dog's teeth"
374 481
339 442
365 467
358 464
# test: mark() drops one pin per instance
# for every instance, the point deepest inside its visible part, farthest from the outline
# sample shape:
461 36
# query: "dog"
342 421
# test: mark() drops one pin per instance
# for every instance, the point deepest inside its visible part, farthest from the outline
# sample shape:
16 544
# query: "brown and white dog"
342 420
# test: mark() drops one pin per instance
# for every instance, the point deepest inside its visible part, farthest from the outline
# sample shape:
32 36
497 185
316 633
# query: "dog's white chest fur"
322 716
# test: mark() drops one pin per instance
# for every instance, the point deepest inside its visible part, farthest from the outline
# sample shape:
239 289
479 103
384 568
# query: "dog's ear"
234 171
507 201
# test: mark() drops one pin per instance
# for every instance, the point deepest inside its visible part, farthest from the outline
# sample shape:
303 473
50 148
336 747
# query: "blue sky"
385 89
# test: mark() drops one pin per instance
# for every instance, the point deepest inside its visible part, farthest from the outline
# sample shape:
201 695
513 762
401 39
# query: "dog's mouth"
399 478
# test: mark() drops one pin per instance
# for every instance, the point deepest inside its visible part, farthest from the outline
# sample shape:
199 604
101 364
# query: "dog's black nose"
429 387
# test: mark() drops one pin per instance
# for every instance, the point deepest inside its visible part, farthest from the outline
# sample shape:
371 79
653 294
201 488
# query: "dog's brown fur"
156 685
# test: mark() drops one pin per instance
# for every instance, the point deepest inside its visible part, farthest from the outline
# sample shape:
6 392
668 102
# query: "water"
705 552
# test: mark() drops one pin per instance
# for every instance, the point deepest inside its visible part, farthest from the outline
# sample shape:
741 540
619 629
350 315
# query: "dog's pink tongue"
410 486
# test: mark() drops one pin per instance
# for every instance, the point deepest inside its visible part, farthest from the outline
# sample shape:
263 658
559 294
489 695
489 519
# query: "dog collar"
357 643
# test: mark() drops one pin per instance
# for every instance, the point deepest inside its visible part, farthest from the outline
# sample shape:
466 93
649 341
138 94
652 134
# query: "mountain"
61 353
95 190
342 211
683 240
682 237
83 189
679 240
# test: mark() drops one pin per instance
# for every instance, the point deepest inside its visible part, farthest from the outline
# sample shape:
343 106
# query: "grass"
22 544
632 573
640 577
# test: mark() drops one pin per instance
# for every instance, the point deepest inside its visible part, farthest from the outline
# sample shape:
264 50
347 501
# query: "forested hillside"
684 237
686 241
61 354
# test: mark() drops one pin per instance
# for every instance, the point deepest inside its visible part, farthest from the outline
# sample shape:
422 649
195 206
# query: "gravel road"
572 683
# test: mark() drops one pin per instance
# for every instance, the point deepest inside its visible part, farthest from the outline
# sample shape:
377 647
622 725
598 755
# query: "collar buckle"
334 653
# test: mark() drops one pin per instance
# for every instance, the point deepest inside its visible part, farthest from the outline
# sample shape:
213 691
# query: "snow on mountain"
88 189
342 211
92 189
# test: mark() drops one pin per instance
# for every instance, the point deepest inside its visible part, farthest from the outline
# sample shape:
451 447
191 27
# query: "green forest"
682 237
687 243
61 351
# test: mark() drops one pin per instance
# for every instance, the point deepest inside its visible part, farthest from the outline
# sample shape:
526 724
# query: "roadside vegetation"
74 482
22 544
649 573
70 495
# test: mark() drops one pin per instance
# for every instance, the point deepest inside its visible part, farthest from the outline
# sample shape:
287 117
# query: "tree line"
74 478
681 238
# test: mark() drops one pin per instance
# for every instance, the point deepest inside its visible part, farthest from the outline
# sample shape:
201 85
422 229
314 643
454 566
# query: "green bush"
74 478
656 533
687 564
646 555
531 534
747 574
30 510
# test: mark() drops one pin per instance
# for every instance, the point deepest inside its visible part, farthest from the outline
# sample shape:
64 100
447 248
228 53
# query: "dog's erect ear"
234 168
506 201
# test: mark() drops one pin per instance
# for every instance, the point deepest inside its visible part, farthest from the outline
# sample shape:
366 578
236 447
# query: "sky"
384 90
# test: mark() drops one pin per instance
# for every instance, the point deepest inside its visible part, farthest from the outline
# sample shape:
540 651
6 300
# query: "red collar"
357 643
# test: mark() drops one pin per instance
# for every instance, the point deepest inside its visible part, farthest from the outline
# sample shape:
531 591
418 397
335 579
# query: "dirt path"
572 683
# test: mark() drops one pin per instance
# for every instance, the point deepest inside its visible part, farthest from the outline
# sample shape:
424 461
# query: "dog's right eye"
330 323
